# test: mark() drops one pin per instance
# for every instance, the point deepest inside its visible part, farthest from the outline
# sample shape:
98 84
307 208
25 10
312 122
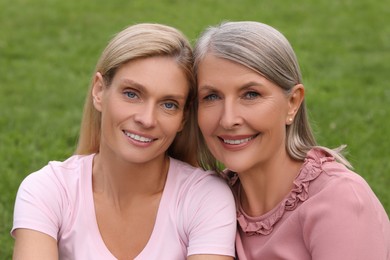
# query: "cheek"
207 118
267 115
173 125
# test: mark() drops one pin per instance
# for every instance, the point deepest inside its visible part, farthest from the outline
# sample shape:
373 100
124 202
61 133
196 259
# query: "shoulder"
204 209
56 182
338 187
334 175
194 187
50 193
342 208
58 172
328 173
190 177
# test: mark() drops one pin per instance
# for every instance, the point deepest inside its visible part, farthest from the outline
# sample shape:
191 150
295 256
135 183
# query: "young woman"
295 200
130 191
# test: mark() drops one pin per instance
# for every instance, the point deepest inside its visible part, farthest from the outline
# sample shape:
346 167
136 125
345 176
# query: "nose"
146 115
230 117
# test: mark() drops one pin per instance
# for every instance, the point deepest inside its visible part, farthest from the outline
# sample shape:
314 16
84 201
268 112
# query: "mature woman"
295 199
130 191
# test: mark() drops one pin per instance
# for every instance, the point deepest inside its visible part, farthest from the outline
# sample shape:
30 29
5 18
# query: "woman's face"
142 110
242 115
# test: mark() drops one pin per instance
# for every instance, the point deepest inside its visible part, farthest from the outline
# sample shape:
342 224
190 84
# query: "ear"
97 91
295 99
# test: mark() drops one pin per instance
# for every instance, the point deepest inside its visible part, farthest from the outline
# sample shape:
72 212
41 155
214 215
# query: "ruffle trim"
310 170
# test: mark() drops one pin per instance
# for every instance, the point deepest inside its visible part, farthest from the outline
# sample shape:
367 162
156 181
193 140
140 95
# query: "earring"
290 119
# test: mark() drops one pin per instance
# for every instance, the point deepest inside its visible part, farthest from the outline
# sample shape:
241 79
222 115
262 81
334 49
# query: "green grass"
48 50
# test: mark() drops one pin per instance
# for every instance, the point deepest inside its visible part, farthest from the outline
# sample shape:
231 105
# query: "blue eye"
251 95
211 97
131 94
170 106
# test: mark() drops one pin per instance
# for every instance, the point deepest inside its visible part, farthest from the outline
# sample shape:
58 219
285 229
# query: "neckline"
264 224
91 213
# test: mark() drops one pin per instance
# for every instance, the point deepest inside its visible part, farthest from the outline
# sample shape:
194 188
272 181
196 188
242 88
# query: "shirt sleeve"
38 203
210 218
346 221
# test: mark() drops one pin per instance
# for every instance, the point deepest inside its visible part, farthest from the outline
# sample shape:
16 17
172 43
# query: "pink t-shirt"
196 213
331 213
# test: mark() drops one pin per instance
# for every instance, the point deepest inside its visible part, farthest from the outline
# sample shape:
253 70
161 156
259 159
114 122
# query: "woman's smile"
139 138
241 114
142 112
236 142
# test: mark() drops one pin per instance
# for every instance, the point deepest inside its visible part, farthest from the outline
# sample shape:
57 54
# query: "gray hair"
266 51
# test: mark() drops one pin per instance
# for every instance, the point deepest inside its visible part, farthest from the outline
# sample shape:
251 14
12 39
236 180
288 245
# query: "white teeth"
139 138
237 141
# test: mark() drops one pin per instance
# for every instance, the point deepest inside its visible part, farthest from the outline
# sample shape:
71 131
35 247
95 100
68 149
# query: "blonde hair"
135 42
266 51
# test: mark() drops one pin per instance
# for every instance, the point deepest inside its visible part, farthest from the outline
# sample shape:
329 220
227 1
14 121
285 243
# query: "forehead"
220 65
154 74
213 70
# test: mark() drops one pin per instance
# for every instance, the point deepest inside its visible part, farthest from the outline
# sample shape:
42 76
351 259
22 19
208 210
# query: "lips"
138 138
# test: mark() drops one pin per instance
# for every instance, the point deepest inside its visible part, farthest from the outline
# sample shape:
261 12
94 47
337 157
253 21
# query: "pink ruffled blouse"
331 213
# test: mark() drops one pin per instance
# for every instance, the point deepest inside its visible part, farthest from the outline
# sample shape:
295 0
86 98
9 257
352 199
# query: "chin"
239 167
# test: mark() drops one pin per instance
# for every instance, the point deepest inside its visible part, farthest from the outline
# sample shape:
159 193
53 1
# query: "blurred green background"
48 50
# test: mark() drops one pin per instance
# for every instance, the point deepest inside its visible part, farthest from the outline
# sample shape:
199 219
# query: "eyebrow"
251 84
142 89
207 87
243 87
132 83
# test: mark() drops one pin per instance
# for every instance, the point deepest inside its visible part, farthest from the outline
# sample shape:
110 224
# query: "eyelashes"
169 105
248 95
131 94
251 95
211 97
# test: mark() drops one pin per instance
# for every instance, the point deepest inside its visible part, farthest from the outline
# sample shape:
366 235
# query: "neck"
266 186
122 181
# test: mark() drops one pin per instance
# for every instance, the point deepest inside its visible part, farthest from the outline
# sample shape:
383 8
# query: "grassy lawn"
48 50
